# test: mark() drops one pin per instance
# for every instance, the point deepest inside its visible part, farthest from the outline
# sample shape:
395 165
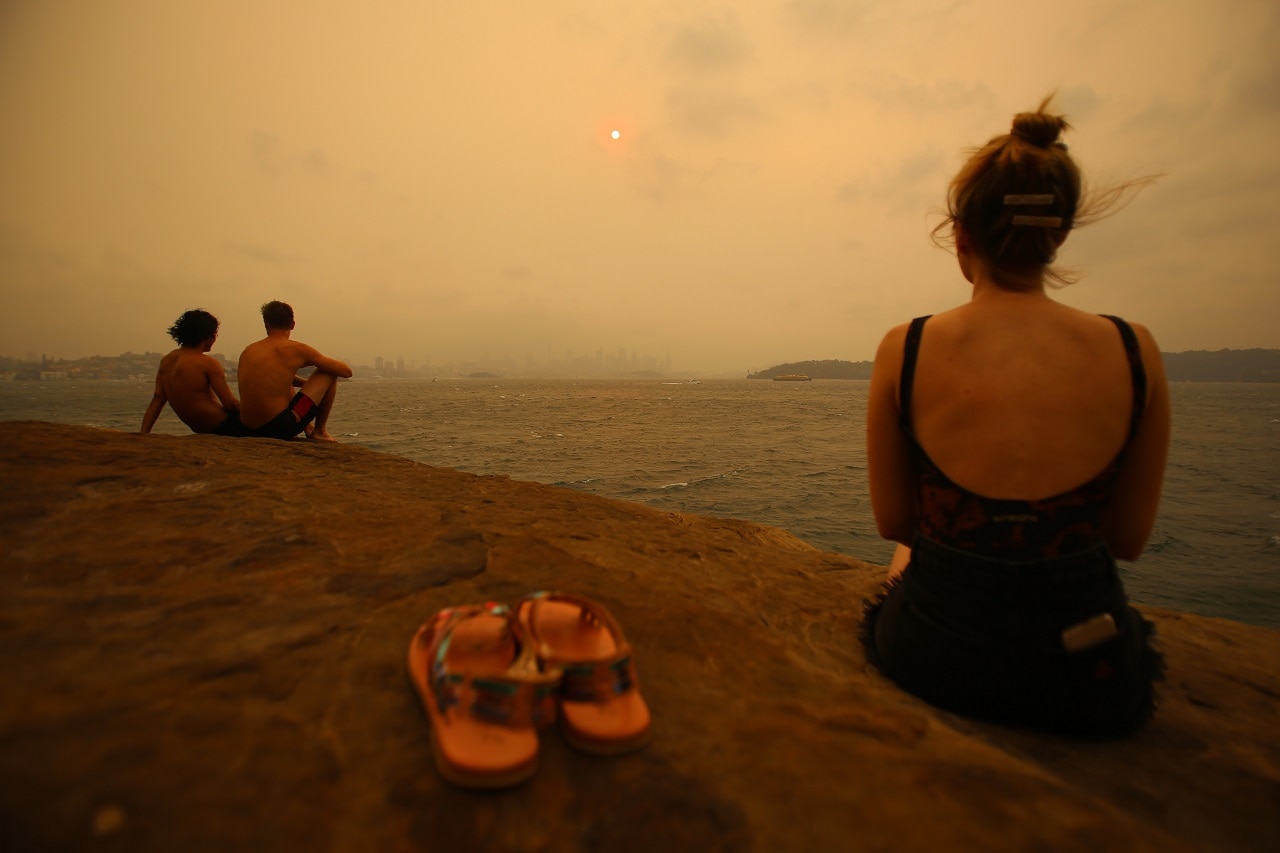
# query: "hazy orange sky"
436 181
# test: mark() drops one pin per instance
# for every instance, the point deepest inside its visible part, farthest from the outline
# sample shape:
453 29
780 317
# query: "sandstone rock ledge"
203 645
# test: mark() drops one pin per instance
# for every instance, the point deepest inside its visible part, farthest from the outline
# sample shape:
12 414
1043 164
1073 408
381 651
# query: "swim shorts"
231 427
293 420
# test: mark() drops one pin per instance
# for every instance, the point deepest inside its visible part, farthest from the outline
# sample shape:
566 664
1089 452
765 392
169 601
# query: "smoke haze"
438 181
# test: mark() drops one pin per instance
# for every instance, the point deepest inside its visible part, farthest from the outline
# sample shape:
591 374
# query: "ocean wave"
699 481
1163 543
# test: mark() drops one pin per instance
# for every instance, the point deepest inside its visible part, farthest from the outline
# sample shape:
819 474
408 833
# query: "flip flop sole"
615 726
467 752
598 746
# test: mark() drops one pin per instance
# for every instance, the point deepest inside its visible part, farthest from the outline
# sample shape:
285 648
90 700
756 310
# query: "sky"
437 181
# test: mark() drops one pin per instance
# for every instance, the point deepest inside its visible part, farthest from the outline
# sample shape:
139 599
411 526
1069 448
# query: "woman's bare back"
1020 396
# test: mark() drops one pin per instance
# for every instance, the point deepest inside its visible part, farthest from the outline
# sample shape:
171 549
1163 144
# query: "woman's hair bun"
1039 128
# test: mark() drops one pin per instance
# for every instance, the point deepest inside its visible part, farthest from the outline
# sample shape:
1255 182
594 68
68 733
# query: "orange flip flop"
601 709
479 679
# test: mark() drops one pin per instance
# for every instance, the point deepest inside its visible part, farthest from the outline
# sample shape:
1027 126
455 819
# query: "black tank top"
1014 529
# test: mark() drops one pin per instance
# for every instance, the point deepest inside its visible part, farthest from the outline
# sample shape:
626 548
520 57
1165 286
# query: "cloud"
711 45
270 156
659 177
315 162
663 178
1162 120
1252 89
264 152
827 17
1079 103
114 259
915 180
262 253
20 253
711 112
926 99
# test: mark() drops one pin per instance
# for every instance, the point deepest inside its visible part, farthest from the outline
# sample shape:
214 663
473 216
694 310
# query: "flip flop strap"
587 681
498 699
598 681
520 697
588 607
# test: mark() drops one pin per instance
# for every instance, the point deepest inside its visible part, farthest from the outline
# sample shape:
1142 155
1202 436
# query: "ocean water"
788 454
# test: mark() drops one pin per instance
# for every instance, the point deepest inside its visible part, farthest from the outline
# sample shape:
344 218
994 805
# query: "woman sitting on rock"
1016 445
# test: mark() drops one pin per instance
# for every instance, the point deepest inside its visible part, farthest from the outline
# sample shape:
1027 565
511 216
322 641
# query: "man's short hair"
193 327
277 315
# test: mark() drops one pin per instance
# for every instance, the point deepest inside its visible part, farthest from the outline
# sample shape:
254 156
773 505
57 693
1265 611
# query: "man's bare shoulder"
300 349
256 347
300 354
274 357
210 364
263 352
168 361
191 359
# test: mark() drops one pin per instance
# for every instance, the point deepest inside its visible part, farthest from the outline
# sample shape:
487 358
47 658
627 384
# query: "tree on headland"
830 368
1227 365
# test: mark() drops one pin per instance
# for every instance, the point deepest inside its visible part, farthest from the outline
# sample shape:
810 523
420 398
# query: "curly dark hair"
277 315
193 327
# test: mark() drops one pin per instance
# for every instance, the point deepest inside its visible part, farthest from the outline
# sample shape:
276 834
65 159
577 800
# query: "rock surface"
204 640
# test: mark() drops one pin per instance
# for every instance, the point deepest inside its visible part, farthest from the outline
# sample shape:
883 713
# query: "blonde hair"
1029 160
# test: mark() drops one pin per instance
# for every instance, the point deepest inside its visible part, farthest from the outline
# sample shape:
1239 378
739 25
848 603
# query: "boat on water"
792 377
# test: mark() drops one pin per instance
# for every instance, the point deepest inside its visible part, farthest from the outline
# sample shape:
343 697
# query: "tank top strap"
909 352
1137 373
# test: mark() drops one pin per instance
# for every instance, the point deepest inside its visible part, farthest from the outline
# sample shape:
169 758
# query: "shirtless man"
268 372
194 384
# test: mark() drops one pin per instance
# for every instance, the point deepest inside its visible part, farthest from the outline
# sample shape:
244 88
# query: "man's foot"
321 435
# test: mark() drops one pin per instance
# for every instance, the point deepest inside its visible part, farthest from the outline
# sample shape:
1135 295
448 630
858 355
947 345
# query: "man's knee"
318 384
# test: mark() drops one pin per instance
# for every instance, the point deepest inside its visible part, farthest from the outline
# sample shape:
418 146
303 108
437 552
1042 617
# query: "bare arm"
218 382
890 470
323 362
901 558
1131 513
158 399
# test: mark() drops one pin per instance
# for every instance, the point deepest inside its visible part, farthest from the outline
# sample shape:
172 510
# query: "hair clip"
1039 221
1029 199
